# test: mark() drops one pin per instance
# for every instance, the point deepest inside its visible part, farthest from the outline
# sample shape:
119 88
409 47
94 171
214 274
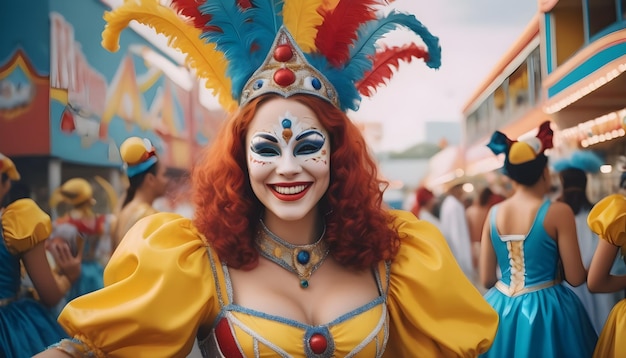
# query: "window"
601 14
518 89
535 67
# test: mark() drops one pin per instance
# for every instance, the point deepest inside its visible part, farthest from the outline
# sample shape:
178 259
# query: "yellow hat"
74 192
7 166
138 154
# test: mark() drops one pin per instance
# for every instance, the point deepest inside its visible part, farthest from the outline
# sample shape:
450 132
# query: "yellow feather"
329 4
301 17
203 57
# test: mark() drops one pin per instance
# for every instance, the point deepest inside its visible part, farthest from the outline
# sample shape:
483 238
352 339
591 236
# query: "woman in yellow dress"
608 219
291 251
26 323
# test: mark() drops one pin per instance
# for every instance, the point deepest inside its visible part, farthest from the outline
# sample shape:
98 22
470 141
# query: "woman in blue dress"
26 325
534 244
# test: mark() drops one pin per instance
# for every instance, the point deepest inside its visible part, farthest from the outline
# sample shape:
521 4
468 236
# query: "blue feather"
584 160
499 143
234 40
361 54
349 97
267 20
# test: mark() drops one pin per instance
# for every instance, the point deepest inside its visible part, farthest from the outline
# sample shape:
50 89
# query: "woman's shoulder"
24 224
165 224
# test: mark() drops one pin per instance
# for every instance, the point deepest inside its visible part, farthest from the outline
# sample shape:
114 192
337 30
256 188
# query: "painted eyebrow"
308 133
269 137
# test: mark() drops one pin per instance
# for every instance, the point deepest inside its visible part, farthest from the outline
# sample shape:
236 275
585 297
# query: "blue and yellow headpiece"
246 48
138 155
525 159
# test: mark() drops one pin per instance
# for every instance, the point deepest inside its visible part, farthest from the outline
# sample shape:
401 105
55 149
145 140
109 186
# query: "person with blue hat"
147 180
573 170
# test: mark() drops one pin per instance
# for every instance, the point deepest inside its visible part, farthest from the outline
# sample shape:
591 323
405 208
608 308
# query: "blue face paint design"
309 142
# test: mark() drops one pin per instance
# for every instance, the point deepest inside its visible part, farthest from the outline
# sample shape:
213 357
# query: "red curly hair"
358 228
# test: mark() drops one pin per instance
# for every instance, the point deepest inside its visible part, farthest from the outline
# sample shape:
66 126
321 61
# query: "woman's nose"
288 165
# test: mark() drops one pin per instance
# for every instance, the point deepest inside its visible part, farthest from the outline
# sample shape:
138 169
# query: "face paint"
288 158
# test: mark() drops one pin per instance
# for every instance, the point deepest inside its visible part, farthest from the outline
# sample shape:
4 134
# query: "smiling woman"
291 251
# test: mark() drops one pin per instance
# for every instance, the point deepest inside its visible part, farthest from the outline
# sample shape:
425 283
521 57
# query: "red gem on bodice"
318 343
284 77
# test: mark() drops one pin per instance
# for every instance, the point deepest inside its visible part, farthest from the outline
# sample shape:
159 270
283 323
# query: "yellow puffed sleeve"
434 309
608 219
24 225
159 289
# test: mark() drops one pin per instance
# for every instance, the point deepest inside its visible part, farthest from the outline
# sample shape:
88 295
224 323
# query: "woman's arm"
48 288
562 216
600 278
487 260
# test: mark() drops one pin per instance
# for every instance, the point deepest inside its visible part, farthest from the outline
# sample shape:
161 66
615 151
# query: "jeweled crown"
286 72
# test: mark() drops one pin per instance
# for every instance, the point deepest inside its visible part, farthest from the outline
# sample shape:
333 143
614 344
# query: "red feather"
244 4
384 62
339 28
189 9
545 135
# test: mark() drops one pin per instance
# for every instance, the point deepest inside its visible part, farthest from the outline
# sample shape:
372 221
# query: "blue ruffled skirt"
27 328
551 322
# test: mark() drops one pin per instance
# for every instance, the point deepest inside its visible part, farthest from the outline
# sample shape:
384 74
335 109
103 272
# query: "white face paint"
288 158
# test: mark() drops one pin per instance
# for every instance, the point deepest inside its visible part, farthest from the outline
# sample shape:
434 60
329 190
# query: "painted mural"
92 100
23 103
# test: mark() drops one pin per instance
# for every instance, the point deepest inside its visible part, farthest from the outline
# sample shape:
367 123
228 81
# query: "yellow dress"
164 283
608 220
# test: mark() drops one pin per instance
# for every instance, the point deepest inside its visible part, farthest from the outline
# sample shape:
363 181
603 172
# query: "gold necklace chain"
301 260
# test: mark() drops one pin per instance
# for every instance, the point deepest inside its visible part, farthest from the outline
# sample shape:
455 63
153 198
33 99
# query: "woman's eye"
308 147
265 146
265 149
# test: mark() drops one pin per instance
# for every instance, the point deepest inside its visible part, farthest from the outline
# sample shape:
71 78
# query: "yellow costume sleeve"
434 309
24 225
159 289
608 219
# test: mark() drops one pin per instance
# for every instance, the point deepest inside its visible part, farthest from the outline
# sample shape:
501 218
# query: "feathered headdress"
585 160
245 48
518 152
524 159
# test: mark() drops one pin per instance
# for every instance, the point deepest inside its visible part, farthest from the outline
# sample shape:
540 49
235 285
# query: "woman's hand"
66 262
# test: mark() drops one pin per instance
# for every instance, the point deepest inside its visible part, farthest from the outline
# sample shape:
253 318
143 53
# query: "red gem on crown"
283 53
284 77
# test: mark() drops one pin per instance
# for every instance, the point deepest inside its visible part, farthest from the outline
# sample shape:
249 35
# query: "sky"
474 35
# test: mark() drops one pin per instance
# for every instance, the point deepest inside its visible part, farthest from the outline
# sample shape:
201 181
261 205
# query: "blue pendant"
303 257
304 283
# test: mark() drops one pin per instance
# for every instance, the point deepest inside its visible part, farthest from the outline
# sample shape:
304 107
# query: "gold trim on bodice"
514 291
